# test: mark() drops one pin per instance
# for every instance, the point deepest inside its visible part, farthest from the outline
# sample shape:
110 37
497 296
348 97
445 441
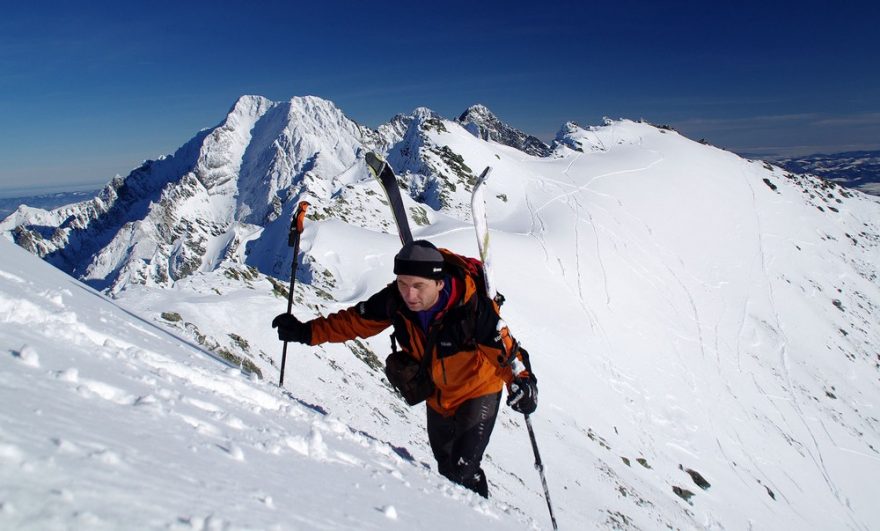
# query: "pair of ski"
383 173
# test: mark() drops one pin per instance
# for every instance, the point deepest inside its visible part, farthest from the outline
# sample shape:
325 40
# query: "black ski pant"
458 441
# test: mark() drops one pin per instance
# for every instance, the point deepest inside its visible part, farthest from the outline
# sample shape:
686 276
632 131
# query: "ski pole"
540 467
296 228
517 367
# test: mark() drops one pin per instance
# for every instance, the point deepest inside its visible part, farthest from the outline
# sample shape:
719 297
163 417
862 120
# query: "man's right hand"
291 329
523 395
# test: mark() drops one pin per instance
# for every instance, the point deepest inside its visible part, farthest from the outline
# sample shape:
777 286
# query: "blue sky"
90 89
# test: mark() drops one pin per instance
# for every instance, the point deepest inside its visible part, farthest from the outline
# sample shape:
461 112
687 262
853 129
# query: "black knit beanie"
419 258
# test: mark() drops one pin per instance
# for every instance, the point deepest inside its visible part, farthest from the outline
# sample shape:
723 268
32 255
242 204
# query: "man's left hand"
291 329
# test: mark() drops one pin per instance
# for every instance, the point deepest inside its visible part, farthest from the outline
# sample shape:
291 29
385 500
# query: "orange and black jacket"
471 353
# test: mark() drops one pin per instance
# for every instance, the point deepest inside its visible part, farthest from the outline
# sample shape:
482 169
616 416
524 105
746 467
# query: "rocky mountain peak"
482 123
188 212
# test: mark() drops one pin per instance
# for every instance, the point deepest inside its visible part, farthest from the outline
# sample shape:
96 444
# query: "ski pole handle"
296 229
296 223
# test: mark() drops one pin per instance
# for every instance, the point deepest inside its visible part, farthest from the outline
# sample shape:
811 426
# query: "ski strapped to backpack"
481 225
383 173
409 377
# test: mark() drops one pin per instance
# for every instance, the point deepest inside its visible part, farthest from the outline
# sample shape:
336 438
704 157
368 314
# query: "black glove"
290 329
523 395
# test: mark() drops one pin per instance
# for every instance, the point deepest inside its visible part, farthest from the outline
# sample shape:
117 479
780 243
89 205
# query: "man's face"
419 293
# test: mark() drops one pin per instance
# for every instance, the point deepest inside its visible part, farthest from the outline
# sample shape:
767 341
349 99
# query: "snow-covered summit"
194 210
600 139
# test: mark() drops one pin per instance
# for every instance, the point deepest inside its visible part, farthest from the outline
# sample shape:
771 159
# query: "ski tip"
484 176
374 162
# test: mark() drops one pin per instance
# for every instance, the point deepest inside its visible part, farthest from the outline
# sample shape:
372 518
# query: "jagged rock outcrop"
431 172
483 124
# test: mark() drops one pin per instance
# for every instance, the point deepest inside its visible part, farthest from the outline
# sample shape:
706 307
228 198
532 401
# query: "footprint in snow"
233 450
63 494
201 522
106 391
70 375
235 423
202 428
317 447
27 356
107 457
149 403
266 500
64 446
205 406
389 511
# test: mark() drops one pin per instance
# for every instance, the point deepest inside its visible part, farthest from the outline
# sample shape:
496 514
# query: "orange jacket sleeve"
364 319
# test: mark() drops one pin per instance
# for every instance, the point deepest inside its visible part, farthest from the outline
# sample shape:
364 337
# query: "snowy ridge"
598 139
703 326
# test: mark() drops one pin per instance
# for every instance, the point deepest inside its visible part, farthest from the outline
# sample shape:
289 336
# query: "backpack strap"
428 354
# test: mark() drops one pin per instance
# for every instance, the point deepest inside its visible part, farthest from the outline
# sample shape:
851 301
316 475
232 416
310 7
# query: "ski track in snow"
815 452
577 209
570 198
580 188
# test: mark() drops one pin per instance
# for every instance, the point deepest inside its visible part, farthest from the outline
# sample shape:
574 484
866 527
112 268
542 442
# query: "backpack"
473 267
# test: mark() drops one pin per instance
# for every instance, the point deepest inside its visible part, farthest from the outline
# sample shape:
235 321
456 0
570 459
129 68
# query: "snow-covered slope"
110 422
704 327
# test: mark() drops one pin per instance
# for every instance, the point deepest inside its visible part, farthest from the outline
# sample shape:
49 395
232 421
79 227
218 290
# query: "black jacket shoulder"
382 305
